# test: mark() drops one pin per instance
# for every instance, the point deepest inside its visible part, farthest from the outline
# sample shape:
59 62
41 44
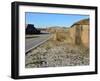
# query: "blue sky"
43 20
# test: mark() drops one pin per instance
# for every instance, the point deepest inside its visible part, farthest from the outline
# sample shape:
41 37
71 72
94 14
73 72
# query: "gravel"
51 54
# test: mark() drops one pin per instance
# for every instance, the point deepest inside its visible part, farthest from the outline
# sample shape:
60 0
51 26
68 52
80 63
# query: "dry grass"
58 51
62 36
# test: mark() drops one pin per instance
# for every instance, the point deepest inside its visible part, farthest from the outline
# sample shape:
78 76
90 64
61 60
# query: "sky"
43 20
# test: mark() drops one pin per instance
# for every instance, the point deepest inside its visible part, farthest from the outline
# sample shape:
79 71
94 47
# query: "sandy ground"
57 54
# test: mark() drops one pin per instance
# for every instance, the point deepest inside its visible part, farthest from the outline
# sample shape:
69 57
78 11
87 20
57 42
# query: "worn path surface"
35 41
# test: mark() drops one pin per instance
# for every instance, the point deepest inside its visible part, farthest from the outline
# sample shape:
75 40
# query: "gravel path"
57 55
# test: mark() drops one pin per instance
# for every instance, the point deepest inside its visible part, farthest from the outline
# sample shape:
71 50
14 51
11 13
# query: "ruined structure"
79 32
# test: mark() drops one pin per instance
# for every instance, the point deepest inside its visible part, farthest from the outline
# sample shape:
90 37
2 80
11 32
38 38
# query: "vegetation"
58 51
